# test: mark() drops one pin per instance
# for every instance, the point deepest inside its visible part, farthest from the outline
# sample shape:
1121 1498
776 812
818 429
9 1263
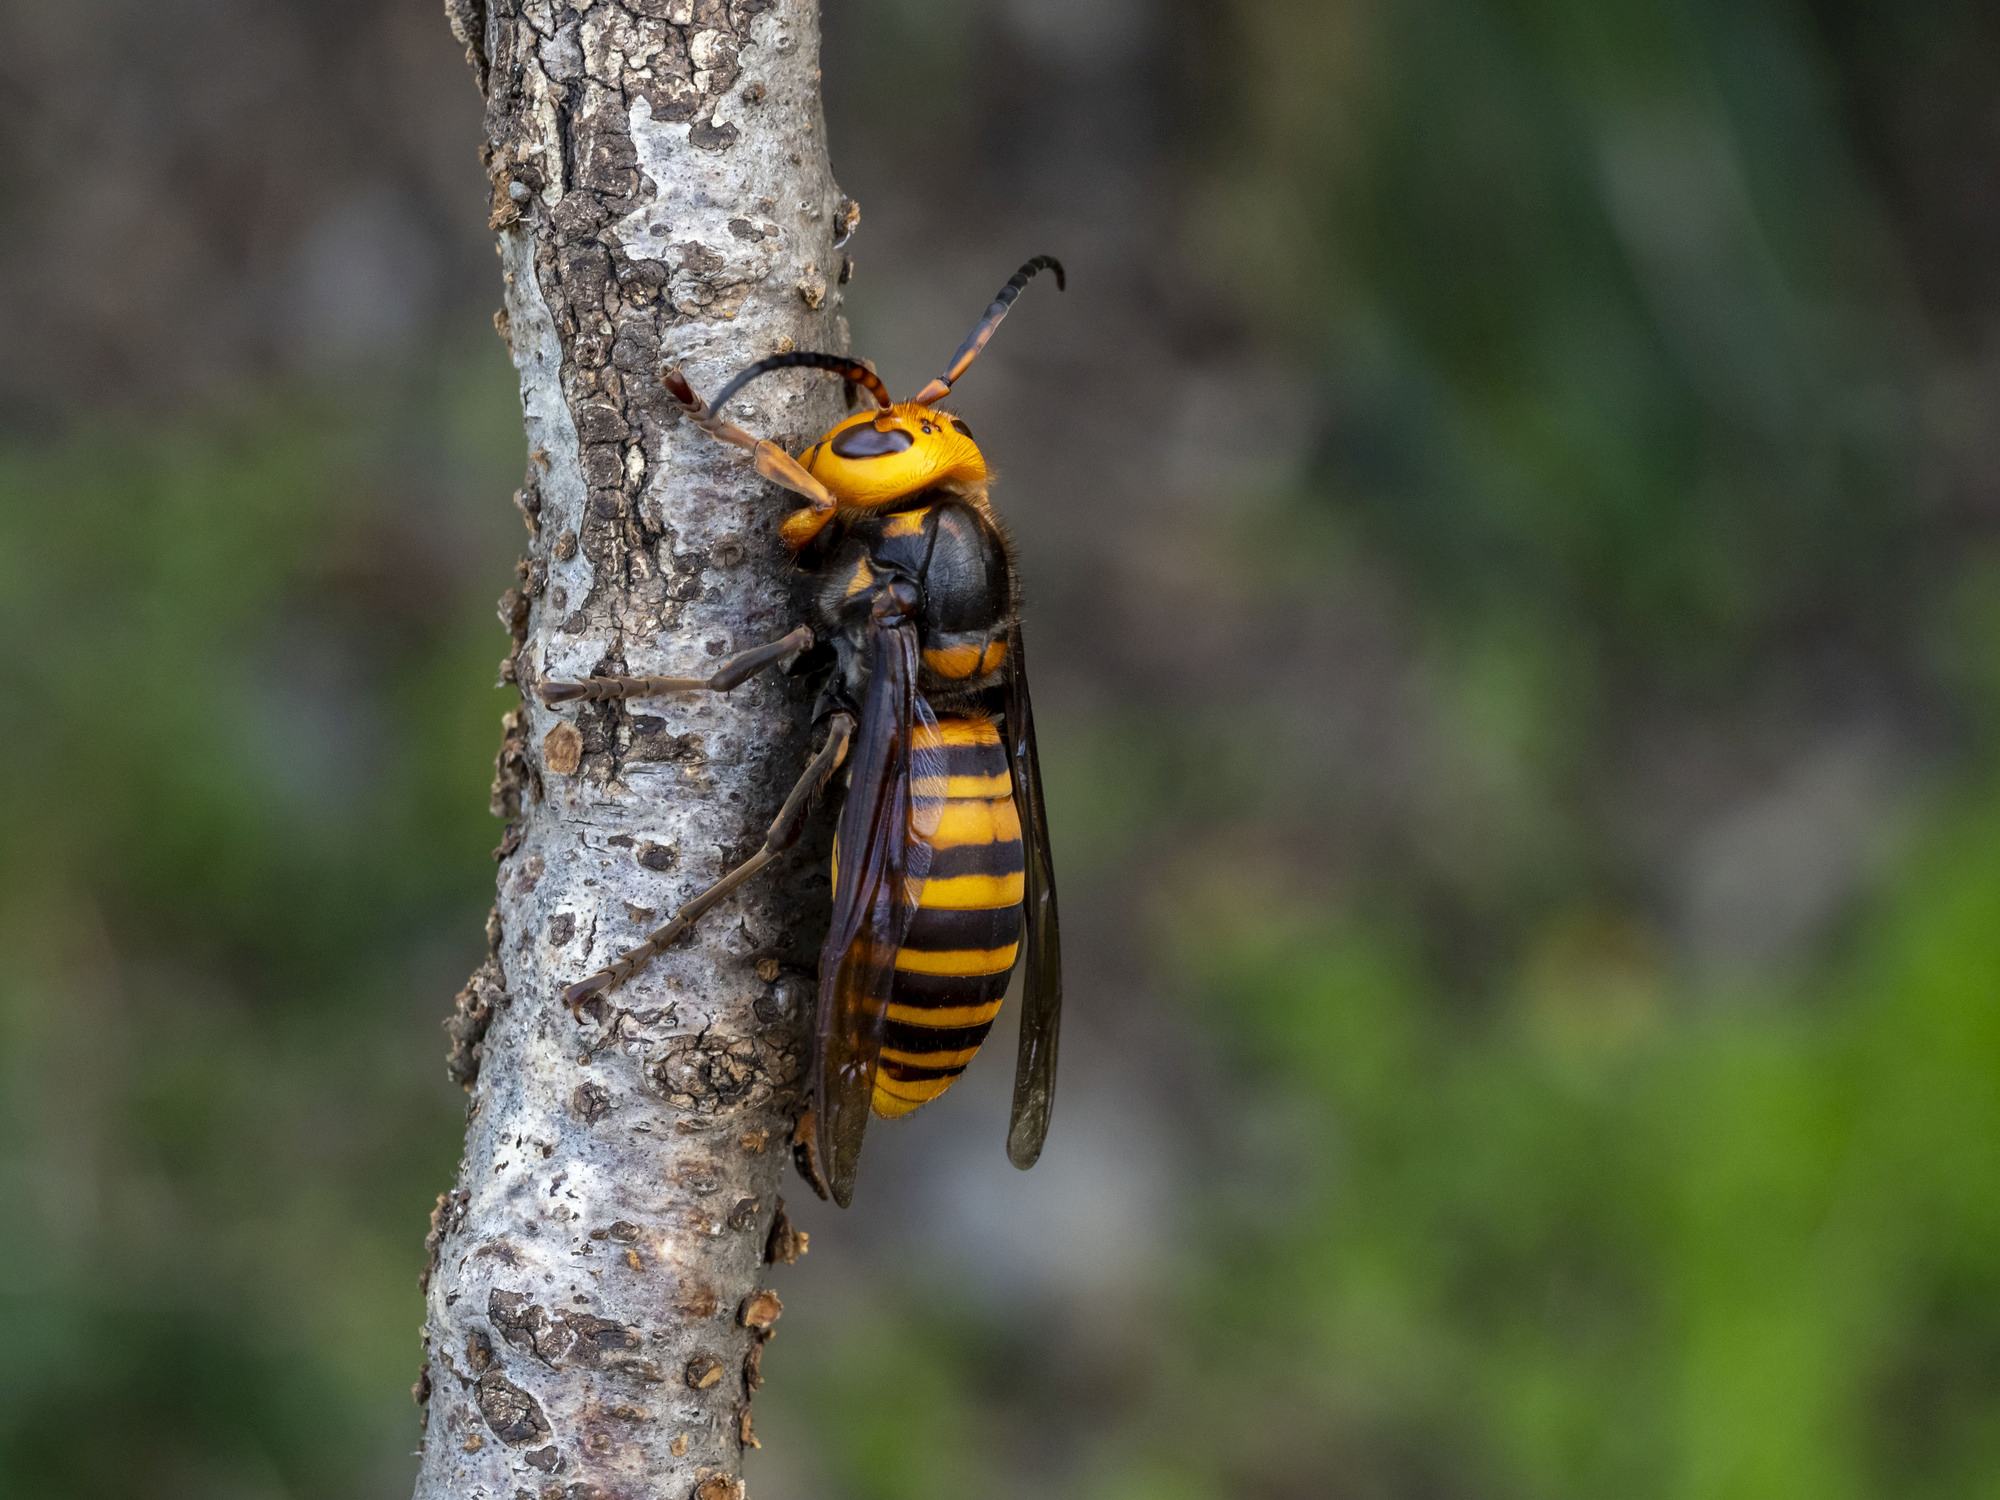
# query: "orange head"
876 458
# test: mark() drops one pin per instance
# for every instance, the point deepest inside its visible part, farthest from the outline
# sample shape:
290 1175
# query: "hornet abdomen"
953 966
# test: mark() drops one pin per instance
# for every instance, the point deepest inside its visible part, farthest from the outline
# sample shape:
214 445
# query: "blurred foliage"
1616 335
1562 1005
1616 1239
219 1025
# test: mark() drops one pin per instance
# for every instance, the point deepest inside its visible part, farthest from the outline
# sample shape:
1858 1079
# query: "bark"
595 1302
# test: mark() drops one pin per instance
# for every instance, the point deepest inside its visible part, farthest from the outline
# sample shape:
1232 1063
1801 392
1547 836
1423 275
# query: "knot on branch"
708 1072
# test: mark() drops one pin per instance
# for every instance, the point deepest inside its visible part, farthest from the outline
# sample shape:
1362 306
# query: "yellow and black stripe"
964 655
952 970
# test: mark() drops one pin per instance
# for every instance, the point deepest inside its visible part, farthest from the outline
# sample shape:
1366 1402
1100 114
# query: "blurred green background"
1512 539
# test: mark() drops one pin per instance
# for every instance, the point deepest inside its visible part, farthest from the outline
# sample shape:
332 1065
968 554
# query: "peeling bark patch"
707 1073
712 137
528 498
760 1311
700 1178
467 19
651 742
788 1000
514 777
498 1250
446 1215
523 1324
564 1339
528 876
562 748
512 607
512 1415
471 1014
605 1343
786 1244
697 1302
590 1102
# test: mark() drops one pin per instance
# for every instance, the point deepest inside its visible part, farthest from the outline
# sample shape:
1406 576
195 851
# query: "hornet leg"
783 833
733 673
773 462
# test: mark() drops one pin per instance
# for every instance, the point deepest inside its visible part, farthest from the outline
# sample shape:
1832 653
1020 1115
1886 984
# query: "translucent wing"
882 857
1041 988
927 785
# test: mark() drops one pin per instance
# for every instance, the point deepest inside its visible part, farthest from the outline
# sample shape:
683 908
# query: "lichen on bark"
661 194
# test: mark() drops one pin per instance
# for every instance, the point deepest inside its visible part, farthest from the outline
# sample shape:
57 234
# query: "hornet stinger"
941 870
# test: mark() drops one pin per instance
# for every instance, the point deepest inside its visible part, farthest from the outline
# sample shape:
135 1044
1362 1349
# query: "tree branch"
595 1312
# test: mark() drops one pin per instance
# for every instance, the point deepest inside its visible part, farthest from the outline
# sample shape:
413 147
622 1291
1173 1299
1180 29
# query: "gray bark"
595 1299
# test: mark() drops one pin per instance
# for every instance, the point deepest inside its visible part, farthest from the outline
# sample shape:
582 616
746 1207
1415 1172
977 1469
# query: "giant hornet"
941 871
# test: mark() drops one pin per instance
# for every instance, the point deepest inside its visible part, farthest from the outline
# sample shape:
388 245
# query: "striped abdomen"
952 969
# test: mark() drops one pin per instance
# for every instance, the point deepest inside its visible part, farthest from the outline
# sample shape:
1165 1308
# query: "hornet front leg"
771 461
